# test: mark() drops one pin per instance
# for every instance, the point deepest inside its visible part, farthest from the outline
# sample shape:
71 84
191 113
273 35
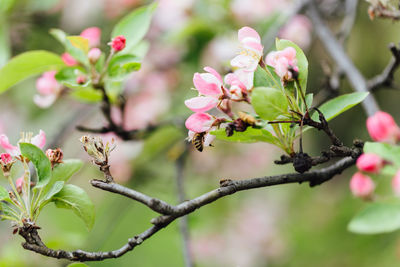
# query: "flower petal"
44 101
247 32
207 84
199 122
201 103
40 139
12 150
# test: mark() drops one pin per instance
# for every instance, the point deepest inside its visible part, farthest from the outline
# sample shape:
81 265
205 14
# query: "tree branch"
228 187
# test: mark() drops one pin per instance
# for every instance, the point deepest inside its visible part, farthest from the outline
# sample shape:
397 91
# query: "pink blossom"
298 30
38 140
382 127
19 183
252 50
199 122
201 103
118 43
208 84
396 183
238 89
69 60
4 143
6 158
93 34
361 185
283 61
48 89
94 55
369 162
47 83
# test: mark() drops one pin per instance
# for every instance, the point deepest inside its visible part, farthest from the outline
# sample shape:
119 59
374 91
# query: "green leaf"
5 50
79 42
302 61
77 264
251 135
134 26
268 102
75 198
74 45
62 172
376 218
26 65
87 95
340 104
4 194
122 65
41 162
388 152
67 76
54 189
267 78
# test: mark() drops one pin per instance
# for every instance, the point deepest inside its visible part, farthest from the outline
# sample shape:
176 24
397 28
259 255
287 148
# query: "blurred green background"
289 225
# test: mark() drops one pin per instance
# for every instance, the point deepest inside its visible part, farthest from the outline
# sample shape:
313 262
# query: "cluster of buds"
382 128
55 156
95 148
6 162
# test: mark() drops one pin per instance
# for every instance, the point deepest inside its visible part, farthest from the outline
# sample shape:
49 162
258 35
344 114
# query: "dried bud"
302 162
240 125
55 156
95 148
118 43
6 162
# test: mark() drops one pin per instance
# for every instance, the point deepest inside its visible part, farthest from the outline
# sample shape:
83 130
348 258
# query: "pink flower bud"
94 55
6 158
47 83
69 60
93 34
369 162
19 183
396 183
361 185
80 79
118 43
382 127
208 84
199 122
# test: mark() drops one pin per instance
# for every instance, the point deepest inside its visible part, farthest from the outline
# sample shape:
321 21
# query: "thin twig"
335 49
386 78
